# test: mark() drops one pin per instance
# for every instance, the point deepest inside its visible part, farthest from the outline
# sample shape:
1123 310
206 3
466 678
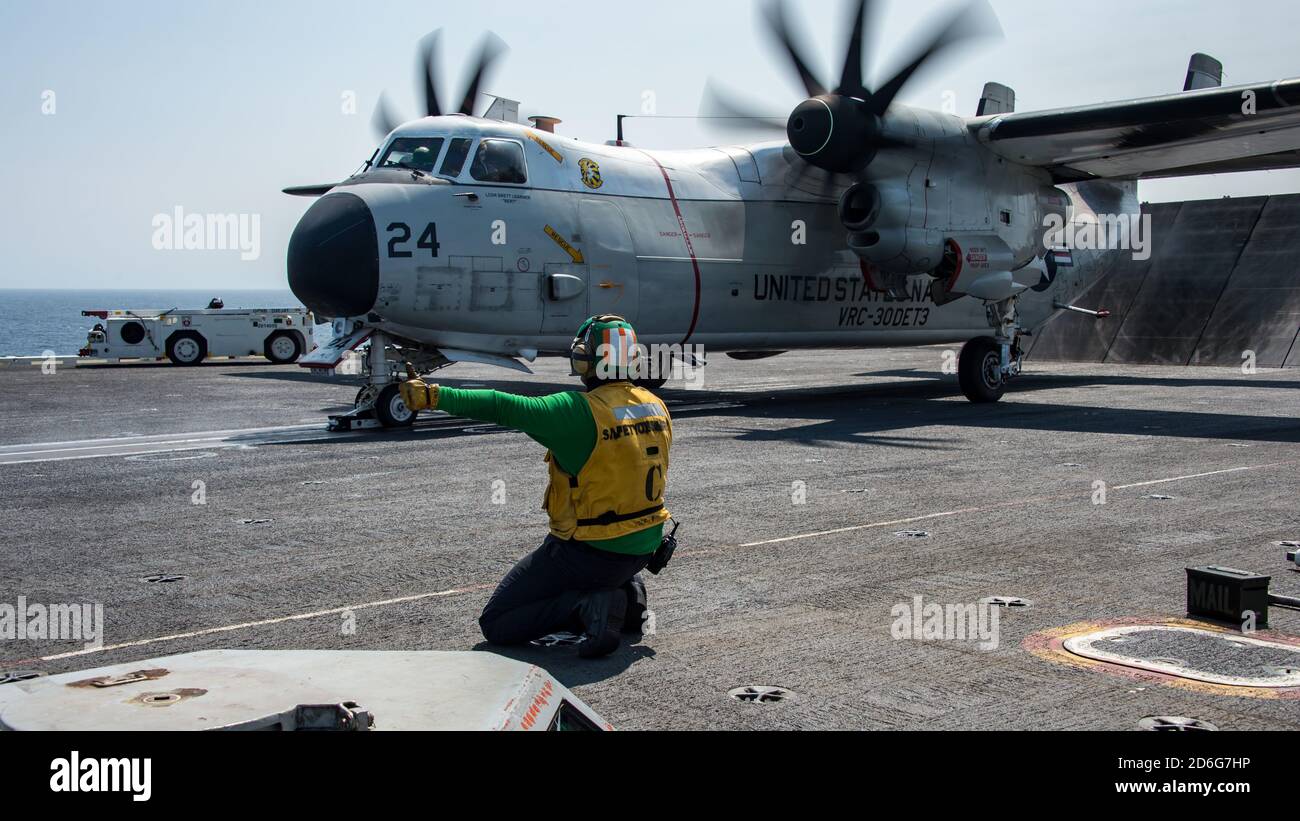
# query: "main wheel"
390 410
187 348
282 348
979 370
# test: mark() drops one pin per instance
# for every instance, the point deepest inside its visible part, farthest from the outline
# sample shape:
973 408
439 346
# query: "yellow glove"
418 394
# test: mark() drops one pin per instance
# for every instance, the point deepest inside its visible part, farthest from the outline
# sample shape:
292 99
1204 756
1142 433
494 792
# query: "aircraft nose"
334 257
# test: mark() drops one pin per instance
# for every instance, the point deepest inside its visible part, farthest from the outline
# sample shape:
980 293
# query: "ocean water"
35 321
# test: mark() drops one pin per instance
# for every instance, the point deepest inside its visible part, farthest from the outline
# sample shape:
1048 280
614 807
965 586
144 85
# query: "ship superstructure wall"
1222 284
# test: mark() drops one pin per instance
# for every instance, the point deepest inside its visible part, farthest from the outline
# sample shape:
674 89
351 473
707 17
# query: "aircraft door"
611 259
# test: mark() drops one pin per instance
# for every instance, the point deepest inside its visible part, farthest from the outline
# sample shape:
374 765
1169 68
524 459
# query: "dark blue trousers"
540 593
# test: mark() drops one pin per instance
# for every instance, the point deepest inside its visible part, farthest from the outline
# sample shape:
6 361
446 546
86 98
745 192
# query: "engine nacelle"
877 219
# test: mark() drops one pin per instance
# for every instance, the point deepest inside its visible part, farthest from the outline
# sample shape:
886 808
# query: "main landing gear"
987 363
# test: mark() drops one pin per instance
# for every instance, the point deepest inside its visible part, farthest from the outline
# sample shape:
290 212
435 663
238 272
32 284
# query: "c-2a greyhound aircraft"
870 224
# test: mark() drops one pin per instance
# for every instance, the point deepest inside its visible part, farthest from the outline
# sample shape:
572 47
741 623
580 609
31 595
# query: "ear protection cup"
582 353
580 357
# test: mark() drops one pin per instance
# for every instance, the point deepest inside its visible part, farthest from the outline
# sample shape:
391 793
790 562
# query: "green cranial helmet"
605 348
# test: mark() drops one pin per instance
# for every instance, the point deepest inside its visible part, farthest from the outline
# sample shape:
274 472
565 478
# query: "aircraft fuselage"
723 247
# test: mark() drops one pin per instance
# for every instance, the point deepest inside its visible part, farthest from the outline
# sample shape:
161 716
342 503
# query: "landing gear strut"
379 402
987 363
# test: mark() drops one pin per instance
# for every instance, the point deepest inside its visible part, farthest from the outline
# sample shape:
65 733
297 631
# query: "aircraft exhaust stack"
544 123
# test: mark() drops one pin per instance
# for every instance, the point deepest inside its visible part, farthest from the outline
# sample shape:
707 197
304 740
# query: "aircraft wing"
1210 131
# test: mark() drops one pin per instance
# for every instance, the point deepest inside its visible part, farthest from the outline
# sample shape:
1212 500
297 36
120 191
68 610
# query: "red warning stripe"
868 275
690 249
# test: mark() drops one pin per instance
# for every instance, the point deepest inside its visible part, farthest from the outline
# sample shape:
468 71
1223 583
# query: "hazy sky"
215 106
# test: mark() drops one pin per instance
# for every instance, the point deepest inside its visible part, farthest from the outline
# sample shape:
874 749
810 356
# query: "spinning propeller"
384 121
840 129
489 52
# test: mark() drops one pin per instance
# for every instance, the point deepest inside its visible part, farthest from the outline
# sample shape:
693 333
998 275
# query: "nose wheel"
390 410
379 402
366 397
375 406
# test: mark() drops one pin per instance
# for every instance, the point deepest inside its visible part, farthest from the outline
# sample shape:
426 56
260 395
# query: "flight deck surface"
818 492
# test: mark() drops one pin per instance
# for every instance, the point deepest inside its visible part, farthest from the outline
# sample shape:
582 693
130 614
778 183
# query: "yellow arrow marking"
558 158
574 253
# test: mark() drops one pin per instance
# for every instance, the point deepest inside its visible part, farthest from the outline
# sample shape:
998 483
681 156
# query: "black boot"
637 604
598 639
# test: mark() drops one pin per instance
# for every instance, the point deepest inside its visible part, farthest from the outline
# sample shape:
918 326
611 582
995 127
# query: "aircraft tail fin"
996 99
1203 71
503 109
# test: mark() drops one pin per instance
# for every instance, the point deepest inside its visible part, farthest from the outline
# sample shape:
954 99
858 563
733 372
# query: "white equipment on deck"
300 690
187 337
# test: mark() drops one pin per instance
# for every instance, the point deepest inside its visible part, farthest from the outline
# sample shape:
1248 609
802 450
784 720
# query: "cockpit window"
499 161
457 152
416 153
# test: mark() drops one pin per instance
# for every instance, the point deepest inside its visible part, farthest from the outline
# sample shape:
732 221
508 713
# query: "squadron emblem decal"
590 173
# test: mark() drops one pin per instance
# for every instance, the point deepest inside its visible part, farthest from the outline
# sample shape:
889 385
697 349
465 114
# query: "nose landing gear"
385 406
379 402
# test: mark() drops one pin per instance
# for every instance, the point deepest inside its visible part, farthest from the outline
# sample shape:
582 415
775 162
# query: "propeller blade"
775 15
488 54
721 109
851 78
975 20
308 190
383 120
428 68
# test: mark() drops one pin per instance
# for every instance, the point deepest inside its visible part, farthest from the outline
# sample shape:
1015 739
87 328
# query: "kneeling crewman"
607 454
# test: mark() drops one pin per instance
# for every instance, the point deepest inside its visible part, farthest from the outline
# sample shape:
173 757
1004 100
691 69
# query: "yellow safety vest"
620 490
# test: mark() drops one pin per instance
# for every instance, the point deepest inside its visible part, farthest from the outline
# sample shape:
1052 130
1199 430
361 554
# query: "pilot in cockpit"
495 161
421 159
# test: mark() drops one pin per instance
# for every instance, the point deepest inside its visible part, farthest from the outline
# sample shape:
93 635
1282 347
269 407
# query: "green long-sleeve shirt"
560 422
